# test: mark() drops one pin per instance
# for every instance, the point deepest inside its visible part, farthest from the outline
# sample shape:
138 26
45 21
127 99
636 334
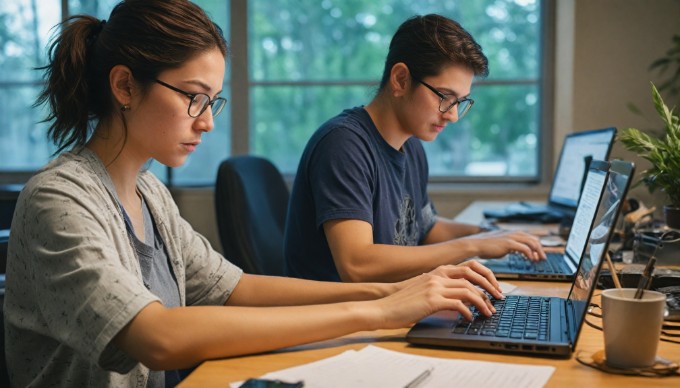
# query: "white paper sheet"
374 366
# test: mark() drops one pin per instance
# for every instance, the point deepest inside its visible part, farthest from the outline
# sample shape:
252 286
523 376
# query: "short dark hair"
427 44
147 36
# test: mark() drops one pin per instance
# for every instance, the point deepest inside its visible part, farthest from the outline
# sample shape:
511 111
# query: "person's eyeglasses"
199 101
447 101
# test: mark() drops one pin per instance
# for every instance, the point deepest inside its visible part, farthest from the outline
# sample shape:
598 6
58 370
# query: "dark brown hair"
148 36
427 44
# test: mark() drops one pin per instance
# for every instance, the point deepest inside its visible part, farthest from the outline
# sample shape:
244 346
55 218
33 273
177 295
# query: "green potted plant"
664 155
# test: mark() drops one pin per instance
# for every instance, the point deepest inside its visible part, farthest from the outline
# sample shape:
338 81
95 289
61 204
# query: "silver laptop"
539 325
578 149
560 266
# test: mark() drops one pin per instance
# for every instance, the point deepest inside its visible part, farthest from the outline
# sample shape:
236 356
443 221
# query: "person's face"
420 115
161 128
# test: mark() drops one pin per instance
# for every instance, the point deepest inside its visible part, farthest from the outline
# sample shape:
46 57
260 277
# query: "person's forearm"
445 229
255 290
181 337
392 263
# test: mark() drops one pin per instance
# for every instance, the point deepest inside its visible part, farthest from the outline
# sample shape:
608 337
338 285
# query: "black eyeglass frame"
443 97
192 97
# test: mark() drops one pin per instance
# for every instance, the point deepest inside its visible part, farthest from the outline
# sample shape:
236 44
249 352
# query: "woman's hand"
472 271
496 244
448 287
429 293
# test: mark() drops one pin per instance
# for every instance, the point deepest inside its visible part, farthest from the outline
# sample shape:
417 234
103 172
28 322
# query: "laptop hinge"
569 318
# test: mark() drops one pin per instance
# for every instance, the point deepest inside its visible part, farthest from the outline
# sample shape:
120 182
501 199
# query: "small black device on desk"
264 383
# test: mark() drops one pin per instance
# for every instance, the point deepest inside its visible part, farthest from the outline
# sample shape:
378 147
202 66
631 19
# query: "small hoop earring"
124 108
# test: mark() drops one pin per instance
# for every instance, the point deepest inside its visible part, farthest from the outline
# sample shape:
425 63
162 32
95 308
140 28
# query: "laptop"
538 325
560 266
578 149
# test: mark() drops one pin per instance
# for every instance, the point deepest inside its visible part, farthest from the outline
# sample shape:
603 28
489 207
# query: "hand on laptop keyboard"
493 245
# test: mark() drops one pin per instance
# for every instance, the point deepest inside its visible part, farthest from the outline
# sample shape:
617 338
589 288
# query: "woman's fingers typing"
475 273
433 293
466 292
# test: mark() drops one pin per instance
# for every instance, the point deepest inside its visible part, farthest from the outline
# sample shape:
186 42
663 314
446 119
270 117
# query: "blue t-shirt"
348 171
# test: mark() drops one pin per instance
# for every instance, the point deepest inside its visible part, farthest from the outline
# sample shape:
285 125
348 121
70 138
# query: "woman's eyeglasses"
199 101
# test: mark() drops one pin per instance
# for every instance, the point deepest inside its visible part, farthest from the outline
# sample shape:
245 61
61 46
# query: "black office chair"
251 201
4 242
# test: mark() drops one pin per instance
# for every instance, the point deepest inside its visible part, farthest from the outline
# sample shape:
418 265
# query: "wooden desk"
568 373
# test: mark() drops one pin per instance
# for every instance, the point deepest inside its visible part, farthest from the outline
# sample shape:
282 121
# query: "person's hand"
496 244
474 272
427 294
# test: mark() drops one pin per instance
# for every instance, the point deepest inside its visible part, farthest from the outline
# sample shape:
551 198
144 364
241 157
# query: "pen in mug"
646 278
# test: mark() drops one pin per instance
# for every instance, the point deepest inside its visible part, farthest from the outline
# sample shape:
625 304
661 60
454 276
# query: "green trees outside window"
308 60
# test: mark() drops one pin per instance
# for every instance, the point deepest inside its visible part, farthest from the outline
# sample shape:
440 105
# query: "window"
297 63
25 29
305 67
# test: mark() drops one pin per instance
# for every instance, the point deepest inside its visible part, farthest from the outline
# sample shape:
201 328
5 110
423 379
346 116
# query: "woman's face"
159 126
420 116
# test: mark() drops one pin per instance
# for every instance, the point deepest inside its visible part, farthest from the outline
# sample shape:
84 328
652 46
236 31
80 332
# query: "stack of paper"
373 366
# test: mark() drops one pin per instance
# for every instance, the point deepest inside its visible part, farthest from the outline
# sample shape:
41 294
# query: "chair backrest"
4 245
4 241
251 201
9 193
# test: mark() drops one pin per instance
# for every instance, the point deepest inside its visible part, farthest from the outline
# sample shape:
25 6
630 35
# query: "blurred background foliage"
308 60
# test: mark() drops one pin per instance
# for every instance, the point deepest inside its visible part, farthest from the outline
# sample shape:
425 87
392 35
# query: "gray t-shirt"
74 281
157 277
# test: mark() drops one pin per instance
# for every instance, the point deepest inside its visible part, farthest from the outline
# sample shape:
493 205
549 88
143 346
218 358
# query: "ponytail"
147 36
67 81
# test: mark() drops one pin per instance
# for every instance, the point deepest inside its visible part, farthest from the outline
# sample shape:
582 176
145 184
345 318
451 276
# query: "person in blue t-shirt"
359 207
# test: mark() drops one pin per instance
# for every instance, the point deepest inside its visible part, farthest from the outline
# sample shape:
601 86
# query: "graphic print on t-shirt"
406 229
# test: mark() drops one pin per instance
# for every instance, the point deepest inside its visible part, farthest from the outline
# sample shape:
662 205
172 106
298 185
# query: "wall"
603 51
616 41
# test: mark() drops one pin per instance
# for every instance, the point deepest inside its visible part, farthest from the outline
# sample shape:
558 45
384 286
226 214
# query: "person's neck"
382 112
122 166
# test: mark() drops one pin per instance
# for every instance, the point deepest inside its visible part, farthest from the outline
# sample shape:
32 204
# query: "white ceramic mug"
632 327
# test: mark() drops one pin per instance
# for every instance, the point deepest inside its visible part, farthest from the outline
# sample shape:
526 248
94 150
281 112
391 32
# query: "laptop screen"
585 213
616 187
577 150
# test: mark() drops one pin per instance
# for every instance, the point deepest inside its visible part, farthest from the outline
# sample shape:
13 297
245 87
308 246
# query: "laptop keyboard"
553 264
516 317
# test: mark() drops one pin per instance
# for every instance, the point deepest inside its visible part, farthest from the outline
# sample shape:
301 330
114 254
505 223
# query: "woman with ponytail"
107 285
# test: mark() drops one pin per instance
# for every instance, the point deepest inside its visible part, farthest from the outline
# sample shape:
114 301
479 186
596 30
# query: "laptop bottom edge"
535 277
529 349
